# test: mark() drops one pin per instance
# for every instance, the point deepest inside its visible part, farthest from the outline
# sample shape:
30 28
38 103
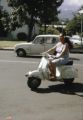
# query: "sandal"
52 78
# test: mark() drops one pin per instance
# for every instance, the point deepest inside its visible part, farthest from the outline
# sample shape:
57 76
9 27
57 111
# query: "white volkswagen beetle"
40 44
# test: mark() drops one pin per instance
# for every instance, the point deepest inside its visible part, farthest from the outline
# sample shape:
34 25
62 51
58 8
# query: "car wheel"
68 81
33 82
21 53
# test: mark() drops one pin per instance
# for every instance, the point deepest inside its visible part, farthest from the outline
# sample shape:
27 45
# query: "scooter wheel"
68 81
33 82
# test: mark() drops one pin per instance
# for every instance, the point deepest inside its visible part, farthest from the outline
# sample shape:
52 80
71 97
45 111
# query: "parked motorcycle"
64 73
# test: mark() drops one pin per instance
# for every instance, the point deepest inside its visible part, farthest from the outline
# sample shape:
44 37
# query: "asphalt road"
52 101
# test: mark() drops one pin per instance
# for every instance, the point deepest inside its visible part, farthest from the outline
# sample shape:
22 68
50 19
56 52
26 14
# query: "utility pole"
81 12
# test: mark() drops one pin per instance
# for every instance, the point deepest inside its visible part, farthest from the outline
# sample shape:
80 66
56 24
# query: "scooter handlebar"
46 55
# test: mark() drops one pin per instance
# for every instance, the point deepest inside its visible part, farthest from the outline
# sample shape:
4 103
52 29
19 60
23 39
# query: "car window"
54 40
39 40
50 40
46 40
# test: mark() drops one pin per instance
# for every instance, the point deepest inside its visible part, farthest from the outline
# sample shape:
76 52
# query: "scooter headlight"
28 74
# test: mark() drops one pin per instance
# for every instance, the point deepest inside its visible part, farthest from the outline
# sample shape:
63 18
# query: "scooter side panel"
68 72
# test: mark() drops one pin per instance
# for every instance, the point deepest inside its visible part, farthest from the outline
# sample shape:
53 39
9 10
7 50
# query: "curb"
7 48
76 51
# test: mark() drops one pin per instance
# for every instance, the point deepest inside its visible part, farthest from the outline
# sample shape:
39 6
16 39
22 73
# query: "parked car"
76 40
40 44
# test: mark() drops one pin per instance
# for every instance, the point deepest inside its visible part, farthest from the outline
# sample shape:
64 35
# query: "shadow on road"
74 89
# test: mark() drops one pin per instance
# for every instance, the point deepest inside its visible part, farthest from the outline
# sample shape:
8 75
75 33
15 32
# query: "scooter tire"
68 81
33 82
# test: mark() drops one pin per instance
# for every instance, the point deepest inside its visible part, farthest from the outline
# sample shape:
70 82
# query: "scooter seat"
70 62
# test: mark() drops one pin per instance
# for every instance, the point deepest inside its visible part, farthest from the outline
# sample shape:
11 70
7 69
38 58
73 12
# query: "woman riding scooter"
61 57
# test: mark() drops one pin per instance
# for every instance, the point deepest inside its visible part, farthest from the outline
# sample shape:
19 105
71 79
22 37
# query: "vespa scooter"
64 73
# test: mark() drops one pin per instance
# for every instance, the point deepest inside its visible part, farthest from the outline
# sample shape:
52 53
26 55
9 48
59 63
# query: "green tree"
48 11
31 11
74 25
3 18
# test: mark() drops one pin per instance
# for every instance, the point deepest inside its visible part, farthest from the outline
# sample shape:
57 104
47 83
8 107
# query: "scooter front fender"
35 73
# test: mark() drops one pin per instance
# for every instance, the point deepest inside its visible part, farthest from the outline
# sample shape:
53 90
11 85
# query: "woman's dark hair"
69 42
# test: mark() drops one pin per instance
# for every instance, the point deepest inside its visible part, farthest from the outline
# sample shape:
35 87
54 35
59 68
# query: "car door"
50 42
37 46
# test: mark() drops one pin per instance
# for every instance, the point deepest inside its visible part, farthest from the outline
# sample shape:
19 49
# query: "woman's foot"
52 78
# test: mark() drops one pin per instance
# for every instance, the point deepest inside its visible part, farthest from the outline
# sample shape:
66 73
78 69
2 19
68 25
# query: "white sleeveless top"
59 48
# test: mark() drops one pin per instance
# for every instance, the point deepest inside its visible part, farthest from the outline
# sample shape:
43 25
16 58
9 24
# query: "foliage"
31 11
50 30
74 25
21 36
3 22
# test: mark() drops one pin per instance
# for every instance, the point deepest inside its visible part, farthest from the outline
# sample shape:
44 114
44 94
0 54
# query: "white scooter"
64 73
